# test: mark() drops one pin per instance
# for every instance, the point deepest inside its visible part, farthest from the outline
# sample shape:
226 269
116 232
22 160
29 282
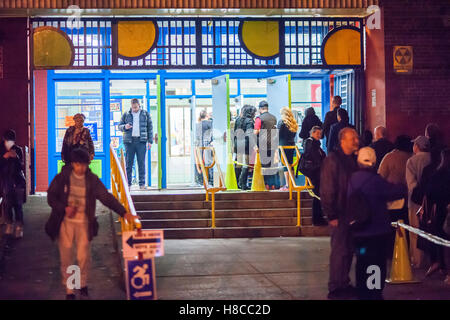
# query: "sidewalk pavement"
200 269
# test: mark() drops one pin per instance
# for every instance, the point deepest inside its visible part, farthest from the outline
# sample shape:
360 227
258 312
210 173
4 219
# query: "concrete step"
254 232
241 195
175 214
237 223
229 213
222 204
262 213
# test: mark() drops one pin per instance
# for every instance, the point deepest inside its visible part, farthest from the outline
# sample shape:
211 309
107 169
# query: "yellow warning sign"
403 59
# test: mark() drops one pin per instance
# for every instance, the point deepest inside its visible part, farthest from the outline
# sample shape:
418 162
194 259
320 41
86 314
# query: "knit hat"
367 157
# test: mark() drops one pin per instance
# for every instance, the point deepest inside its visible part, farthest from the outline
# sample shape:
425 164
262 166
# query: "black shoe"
84 291
70 296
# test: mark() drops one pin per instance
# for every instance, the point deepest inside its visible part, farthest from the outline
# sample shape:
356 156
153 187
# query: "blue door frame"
104 76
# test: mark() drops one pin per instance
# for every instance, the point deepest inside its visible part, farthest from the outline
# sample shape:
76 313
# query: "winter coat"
414 169
314 153
145 126
393 166
334 176
377 192
330 119
333 139
245 123
58 195
82 140
308 123
286 137
382 147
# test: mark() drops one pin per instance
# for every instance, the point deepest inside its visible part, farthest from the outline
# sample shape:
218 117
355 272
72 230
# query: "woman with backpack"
310 164
369 221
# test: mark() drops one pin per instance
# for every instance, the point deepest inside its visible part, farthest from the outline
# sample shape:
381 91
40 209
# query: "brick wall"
14 82
423 96
40 100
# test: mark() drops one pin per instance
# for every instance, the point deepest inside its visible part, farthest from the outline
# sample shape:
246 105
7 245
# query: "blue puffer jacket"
377 192
145 127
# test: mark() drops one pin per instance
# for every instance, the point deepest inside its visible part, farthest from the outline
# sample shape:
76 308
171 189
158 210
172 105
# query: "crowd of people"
402 180
361 184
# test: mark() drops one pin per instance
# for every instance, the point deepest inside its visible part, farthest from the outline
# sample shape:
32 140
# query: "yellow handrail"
119 186
292 184
205 169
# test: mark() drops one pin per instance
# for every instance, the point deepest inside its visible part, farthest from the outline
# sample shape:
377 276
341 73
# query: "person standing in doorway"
311 120
266 131
137 128
336 170
331 116
381 144
203 138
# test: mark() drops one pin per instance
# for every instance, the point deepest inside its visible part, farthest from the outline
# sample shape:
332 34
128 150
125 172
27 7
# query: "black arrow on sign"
132 241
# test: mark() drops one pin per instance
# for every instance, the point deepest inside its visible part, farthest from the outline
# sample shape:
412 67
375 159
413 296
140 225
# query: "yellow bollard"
258 179
401 266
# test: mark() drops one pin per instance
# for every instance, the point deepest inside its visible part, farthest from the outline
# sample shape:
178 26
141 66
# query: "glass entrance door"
180 169
121 94
72 97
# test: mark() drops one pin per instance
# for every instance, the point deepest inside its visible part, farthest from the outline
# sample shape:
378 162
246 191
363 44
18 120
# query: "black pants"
371 255
138 148
317 207
14 202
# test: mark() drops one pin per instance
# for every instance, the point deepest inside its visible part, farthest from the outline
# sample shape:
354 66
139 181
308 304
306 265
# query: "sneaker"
18 234
84 292
9 229
70 296
284 188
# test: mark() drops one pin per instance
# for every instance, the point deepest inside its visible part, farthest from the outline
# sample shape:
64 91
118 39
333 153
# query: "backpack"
358 209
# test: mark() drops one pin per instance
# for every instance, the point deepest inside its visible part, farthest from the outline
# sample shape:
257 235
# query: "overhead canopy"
197 4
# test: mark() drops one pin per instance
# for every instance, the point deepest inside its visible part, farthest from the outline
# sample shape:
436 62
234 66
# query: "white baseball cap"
367 156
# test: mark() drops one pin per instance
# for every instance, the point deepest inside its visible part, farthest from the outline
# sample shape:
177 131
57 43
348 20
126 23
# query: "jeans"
138 148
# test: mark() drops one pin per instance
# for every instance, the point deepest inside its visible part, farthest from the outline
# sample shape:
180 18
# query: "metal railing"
200 161
119 186
292 184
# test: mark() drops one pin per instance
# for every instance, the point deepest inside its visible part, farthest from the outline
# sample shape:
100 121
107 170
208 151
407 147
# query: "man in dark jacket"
343 122
335 173
72 196
137 128
12 182
381 144
331 116
372 239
